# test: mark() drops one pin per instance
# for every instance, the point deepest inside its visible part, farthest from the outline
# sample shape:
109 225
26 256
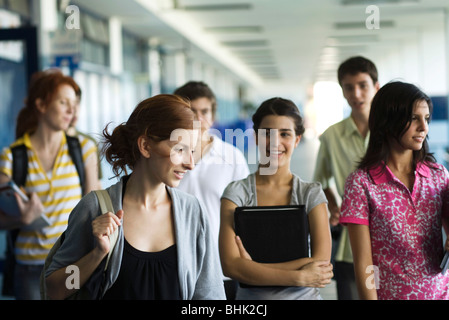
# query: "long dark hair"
390 117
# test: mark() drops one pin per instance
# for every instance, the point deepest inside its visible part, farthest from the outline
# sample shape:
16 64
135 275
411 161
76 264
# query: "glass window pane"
95 29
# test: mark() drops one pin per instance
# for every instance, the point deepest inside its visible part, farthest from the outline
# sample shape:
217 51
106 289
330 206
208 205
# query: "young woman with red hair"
165 249
52 181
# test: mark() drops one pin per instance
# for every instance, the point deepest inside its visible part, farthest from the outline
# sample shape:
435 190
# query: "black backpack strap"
76 154
19 174
19 164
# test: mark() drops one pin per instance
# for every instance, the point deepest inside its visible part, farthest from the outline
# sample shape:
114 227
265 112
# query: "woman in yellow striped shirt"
52 181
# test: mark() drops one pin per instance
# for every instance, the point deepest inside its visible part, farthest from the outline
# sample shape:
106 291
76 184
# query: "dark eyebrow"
276 129
349 85
416 114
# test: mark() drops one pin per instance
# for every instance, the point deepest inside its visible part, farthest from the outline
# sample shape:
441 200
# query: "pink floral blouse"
405 229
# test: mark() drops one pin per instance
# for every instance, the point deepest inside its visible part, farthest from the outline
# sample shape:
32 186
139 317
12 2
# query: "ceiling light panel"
351 40
361 25
234 29
375 2
216 7
254 53
243 44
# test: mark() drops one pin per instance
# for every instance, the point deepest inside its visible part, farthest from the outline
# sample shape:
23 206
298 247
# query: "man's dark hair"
357 65
197 89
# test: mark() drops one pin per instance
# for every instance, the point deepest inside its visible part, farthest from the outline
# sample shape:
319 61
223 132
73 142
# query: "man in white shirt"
217 163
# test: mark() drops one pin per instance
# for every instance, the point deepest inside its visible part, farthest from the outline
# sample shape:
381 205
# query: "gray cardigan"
199 268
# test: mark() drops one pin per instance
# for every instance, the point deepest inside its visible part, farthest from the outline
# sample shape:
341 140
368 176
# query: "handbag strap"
106 206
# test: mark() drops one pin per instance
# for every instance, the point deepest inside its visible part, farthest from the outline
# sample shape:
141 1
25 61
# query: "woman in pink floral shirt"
397 201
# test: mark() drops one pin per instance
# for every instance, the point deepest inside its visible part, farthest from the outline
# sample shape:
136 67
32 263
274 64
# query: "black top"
146 275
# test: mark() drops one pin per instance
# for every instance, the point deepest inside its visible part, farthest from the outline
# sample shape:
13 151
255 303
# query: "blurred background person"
53 183
217 163
342 145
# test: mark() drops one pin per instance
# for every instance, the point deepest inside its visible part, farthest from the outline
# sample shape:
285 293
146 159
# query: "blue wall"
12 94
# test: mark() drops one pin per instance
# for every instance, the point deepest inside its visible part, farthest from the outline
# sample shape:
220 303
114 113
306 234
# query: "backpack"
19 174
83 293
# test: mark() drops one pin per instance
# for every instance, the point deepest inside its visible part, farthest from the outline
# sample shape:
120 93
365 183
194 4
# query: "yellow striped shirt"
59 191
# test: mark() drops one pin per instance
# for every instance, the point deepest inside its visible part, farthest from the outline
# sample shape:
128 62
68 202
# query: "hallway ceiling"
274 42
